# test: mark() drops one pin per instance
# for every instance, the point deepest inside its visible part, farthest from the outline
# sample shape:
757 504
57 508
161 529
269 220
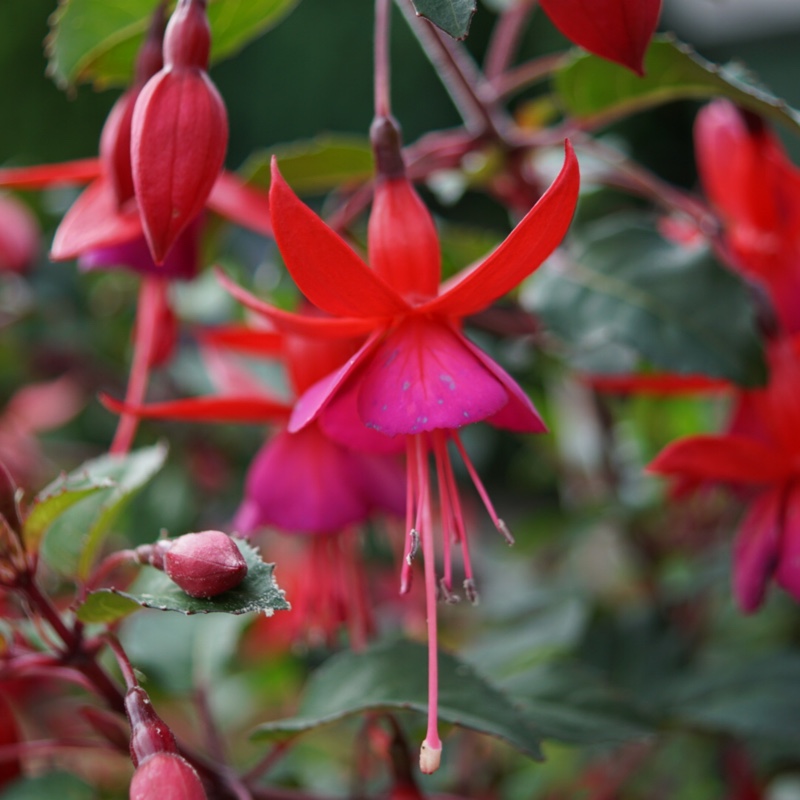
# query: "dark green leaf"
104 607
153 589
675 306
94 41
757 697
394 676
599 92
572 703
316 165
73 537
452 16
62 785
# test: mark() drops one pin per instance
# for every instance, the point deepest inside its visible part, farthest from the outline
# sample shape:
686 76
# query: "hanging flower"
417 380
761 458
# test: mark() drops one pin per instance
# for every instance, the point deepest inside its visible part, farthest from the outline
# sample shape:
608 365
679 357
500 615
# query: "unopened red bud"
166 776
187 42
178 143
205 564
149 733
115 146
150 58
19 235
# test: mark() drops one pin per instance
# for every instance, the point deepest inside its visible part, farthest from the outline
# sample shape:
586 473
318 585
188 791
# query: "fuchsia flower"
619 30
417 379
762 457
756 191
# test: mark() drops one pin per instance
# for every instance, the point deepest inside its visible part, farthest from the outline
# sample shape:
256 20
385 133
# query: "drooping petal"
303 483
518 414
245 205
522 252
382 479
403 245
619 30
207 409
788 568
730 459
299 324
315 399
325 268
756 549
422 377
94 221
181 264
42 176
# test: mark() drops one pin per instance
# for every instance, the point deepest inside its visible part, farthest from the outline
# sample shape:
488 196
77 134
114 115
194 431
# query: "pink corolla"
417 379
755 189
763 460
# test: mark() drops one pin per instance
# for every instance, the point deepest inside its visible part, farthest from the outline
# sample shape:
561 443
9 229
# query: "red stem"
383 106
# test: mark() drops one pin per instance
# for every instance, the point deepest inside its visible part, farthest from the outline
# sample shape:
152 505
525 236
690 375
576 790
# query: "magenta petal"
424 376
788 571
303 483
316 398
382 479
756 549
519 414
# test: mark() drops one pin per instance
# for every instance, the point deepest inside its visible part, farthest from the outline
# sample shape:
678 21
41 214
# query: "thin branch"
505 38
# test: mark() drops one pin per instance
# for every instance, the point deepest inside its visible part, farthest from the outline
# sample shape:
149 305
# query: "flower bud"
19 235
205 564
149 733
179 133
166 776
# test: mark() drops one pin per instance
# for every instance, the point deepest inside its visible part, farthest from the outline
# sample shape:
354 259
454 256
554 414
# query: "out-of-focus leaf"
62 785
105 607
757 697
55 499
73 537
452 16
675 306
94 41
570 702
153 589
394 676
316 165
598 91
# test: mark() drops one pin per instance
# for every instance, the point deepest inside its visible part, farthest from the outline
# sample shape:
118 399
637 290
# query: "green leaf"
94 41
758 697
71 542
393 675
675 306
316 165
571 702
105 607
55 499
153 589
452 16
598 92
62 785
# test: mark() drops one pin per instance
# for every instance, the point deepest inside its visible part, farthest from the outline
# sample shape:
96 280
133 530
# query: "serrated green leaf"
55 499
673 305
316 165
153 589
393 675
105 607
62 785
452 16
599 92
93 41
72 539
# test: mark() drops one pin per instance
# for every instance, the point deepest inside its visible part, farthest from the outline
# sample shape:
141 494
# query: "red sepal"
236 201
43 176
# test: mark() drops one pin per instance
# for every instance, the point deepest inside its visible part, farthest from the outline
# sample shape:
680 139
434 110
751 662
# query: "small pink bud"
19 235
179 133
166 776
205 564
149 733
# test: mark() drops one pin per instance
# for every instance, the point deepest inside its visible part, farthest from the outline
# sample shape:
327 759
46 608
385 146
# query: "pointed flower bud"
166 776
179 133
403 245
205 564
149 733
